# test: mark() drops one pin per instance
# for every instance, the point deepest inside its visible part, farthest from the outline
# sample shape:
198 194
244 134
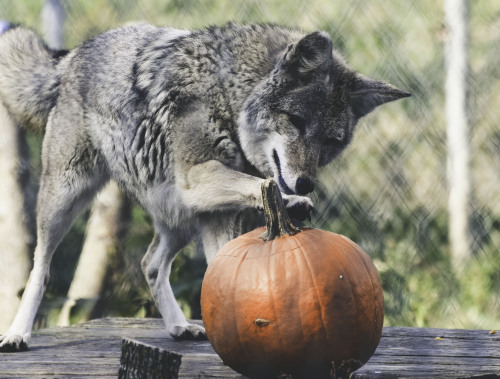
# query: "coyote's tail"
29 80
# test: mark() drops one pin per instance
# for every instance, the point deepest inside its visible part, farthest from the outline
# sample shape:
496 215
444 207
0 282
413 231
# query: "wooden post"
458 132
17 203
52 23
106 223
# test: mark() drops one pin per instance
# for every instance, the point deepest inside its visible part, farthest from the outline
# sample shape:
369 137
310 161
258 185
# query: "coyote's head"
304 113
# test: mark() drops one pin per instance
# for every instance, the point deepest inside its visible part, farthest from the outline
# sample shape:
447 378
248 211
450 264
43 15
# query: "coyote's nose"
304 186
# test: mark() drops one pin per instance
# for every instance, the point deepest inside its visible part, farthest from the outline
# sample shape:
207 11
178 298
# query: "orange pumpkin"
304 304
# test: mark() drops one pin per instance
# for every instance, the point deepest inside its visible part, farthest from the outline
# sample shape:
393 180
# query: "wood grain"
92 349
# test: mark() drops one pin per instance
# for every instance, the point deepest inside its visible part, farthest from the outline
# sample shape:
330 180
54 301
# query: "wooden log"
140 360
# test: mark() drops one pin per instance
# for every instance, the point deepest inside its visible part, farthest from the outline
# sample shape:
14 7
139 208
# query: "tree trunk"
105 226
17 204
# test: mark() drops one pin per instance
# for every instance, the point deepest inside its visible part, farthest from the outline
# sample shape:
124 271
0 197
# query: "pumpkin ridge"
369 274
318 297
299 244
300 313
233 294
235 253
278 252
348 274
273 304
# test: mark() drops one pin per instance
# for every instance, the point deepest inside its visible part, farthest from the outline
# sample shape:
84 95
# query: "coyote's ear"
366 94
311 52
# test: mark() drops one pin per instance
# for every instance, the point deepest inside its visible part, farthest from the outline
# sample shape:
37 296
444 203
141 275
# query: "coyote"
189 123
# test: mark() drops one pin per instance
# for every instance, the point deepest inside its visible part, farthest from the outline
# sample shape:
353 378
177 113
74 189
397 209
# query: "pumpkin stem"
278 222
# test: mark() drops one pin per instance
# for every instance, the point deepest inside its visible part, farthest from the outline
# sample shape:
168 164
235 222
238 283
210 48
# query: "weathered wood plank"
92 349
416 353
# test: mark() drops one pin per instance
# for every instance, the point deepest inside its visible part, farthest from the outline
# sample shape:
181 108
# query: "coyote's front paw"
298 207
14 342
188 332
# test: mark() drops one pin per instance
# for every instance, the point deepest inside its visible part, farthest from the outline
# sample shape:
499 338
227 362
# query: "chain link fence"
388 191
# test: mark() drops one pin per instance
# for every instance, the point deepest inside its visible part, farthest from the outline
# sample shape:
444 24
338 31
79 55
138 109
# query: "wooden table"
92 349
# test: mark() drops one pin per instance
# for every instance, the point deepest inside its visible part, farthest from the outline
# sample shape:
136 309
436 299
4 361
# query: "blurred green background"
388 192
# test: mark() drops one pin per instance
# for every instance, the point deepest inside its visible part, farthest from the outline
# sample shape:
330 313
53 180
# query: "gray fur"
189 123
29 98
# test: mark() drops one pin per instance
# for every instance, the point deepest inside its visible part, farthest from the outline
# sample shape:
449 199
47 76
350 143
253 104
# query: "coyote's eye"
298 121
339 135
335 138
